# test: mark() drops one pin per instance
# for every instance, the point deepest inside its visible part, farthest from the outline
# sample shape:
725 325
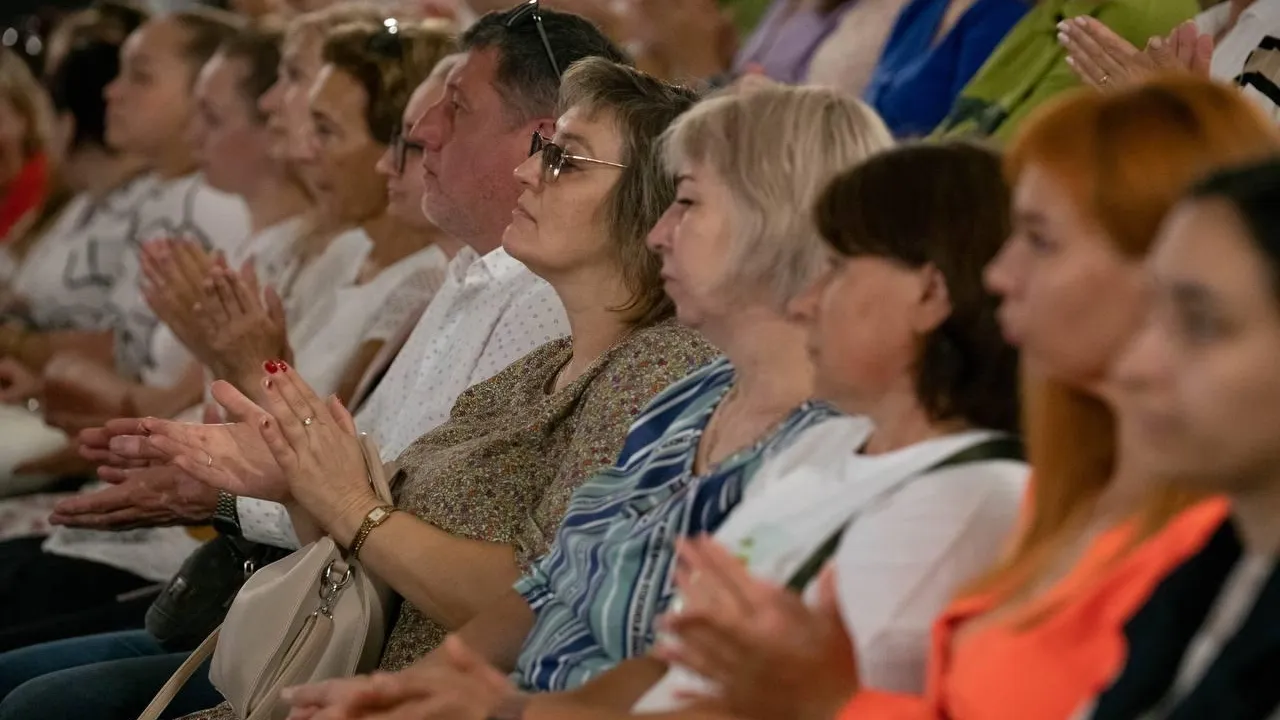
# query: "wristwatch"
376 517
226 517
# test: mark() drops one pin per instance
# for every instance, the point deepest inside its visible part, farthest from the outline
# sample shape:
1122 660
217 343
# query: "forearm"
498 632
36 349
449 578
609 695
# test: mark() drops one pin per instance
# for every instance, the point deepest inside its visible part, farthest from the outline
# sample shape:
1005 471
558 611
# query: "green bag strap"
1004 447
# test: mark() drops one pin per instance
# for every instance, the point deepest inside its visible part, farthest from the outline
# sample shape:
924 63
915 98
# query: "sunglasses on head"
530 9
554 158
400 147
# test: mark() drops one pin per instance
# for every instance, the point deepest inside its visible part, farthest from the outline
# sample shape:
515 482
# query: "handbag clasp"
330 585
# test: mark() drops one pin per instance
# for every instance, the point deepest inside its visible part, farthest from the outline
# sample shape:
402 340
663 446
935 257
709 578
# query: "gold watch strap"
376 517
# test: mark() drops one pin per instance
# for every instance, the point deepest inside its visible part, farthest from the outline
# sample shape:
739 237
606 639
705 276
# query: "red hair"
1125 158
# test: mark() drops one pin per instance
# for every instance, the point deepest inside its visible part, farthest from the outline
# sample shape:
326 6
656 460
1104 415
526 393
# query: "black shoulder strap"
1004 447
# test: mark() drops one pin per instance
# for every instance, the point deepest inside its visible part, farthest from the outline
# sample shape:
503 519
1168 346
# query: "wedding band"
307 422
1105 79
210 462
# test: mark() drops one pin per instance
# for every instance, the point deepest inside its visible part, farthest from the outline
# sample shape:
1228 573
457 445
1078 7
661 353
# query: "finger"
95 437
111 499
727 572
1186 49
135 447
200 466
211 414
275 307
284 437
191 261
213 310
118 520
342 416
1203 56
1086 56
246 299
224 286
249 276
301 397
237 405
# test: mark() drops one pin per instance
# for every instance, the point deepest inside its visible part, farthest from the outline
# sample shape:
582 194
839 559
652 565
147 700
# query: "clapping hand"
243 325
463 687
18 383
1107 61
771 655
173 275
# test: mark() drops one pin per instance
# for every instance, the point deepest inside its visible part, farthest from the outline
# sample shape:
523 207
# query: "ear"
934 306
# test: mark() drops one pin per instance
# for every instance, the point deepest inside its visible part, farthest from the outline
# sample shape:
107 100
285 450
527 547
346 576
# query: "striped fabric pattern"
610 573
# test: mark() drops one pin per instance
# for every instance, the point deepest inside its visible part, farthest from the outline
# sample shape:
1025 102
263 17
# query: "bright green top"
746 13
1029 66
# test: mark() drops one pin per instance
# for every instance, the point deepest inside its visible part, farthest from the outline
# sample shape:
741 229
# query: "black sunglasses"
531 8
400 147
554 157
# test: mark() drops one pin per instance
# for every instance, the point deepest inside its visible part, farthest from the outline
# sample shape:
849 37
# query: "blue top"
916 82
610 573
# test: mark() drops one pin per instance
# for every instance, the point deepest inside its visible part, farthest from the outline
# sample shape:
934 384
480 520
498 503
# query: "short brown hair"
258 48
206 30
389 62
641 107
945 205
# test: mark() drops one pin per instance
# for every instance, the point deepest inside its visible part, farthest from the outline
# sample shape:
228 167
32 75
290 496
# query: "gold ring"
210 462
1105 79
307 422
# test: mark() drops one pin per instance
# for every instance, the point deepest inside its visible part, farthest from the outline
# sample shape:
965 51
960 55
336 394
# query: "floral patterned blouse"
502 469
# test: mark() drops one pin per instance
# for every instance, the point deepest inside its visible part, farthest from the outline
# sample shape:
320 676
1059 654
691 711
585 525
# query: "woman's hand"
464 687
18 383
243 326
315 443
173 273
1107 61
771 655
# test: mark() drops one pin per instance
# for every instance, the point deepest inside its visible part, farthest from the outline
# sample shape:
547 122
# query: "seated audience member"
1235 42
483 492
1028 67
70 585
24 146
734 251
847 58
1197 397
1044 631
935 48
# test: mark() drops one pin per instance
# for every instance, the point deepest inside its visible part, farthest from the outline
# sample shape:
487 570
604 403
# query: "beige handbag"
312 616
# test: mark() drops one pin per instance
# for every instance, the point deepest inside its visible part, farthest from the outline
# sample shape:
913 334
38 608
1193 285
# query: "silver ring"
307 422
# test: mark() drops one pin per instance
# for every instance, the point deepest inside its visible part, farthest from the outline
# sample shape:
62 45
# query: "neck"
98 172
587 297
1255 514
769 356
901 421
173 162
483 245
393 240
276 198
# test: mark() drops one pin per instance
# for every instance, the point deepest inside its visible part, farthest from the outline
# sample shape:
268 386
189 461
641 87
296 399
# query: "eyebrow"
570 137
1193 294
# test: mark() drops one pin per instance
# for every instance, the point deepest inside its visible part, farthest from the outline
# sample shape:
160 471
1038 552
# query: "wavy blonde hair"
20 89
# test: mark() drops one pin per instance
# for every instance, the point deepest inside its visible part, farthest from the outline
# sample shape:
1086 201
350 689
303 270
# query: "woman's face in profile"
1069 298
13 137
1197 389
346 156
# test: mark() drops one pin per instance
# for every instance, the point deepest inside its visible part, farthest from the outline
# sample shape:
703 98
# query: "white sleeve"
535 317
267 523
900 565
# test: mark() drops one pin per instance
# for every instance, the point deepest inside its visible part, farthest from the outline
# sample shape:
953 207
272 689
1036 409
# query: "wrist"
512 707
346 516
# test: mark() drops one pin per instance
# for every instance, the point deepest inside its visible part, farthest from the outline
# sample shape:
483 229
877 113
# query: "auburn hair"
1125 158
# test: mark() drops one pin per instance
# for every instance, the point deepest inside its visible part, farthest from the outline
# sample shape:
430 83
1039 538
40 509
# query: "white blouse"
71 270
916 536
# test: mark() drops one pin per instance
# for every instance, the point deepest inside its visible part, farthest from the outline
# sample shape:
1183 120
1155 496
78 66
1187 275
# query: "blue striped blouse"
610 573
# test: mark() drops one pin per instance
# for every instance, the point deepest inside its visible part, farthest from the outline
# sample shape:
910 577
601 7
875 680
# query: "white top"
915 537
181 208
370 312
272 250
306 288
490 312
71 269
1249 54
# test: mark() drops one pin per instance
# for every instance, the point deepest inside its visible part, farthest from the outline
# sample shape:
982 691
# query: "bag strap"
181 677
1004 447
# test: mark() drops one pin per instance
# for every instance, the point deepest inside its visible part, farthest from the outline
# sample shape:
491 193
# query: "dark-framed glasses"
530 9
554 157
400 147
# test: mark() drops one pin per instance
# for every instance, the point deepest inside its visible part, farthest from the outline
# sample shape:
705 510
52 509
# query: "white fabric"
307 289
357 314
1232 52
69 273
272 249
490 312
915 537
180 208
153 554
24 436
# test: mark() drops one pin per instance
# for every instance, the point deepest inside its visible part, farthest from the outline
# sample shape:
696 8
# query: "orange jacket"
1047 670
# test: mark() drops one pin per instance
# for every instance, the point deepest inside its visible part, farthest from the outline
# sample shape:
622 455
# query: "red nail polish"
283 367
271 367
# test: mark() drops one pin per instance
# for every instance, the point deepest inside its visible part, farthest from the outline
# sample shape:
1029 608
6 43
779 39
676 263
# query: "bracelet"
376 517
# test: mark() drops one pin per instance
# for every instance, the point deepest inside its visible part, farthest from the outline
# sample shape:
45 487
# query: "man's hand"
157 496
17 382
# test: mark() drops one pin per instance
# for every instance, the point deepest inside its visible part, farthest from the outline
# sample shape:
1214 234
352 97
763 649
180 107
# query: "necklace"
711 433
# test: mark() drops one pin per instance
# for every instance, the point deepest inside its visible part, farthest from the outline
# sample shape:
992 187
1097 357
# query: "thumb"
239 407
275 307
342 415
212 414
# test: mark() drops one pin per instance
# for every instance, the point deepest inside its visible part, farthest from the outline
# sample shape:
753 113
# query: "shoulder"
665 350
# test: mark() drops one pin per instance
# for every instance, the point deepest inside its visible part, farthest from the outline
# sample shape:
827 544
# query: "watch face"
378 514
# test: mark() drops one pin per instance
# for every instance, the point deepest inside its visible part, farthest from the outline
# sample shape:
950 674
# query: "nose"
659 238
112 91
270 102
386 165
1142 362
529 173
997 276
430 129
803 307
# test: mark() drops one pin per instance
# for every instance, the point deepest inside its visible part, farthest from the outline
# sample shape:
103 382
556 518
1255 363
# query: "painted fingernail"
1062 38
282 365
271 366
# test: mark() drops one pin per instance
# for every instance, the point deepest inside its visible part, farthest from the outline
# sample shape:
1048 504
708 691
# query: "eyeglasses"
531 8
400 147
554 157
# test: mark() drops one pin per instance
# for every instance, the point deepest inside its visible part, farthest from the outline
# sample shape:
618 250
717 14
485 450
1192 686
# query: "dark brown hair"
944 205
641 107
258 49
206 30
389 63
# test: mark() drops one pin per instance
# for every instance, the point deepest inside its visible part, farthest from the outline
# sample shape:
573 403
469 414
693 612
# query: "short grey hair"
776 148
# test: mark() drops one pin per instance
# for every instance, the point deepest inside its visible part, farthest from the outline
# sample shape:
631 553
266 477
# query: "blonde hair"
390 63
776 148
318 23
20 88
